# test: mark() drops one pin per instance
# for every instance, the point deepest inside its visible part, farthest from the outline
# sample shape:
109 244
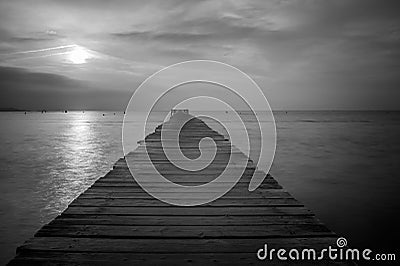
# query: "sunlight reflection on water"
46 161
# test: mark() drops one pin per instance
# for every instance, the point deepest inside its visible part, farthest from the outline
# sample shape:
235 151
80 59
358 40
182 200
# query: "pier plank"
92 258
188 231
112 202
199 210
64 220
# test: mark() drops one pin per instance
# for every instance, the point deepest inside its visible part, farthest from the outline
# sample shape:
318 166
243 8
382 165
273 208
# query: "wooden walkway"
116 222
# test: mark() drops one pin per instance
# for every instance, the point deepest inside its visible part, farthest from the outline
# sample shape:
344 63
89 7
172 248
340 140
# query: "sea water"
344 166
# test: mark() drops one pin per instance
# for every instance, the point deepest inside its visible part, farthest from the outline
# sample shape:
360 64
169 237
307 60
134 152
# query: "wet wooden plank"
197 210
144 259
187 183
187 231
169 246
64 220
161 188
245 202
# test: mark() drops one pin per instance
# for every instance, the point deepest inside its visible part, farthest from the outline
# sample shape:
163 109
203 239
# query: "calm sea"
344 166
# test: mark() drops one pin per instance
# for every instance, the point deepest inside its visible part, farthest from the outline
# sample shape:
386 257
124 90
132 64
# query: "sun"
78 55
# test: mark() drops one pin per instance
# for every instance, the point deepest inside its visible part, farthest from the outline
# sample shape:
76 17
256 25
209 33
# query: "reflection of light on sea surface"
75 156
47 160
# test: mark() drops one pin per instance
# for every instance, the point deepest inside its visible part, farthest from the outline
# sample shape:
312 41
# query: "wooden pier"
116 222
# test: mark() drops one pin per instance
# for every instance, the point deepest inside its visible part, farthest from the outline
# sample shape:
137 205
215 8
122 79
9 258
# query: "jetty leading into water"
115 222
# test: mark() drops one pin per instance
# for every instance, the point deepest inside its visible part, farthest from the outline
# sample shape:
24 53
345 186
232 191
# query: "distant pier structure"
115 222
174 111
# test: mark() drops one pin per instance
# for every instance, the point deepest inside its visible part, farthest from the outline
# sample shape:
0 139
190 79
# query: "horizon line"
121 110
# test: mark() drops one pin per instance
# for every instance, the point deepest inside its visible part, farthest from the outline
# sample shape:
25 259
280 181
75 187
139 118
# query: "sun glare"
78 55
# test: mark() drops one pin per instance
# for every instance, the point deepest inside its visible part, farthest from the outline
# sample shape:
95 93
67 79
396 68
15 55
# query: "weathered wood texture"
116 222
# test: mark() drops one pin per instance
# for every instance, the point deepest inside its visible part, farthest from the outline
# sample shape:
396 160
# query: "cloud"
169 36
21 88
19 77
293 48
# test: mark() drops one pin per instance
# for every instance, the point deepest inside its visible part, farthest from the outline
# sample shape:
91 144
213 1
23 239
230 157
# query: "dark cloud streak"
30 90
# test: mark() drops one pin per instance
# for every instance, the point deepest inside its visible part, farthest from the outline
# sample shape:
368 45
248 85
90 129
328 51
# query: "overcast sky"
304 54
